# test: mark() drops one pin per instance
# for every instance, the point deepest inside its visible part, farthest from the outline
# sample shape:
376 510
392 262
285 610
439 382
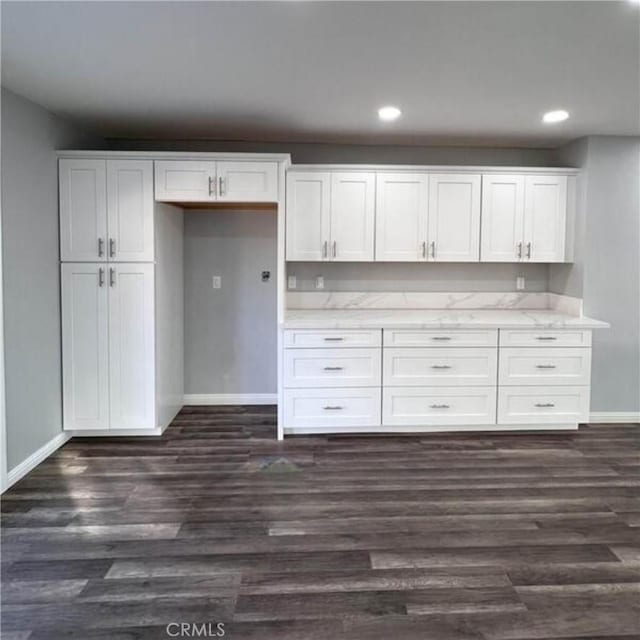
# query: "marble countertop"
436 318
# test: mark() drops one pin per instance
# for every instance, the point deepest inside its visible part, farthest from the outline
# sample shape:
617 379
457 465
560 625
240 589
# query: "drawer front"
544 338
414 406
543 405
332 407
435 338
544 366
333 338
440 367
332 368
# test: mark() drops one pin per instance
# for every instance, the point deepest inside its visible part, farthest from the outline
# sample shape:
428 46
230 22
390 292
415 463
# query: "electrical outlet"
520 283
292 282
319 282
217 282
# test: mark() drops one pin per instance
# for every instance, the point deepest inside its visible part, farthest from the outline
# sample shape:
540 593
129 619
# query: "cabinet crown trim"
402 168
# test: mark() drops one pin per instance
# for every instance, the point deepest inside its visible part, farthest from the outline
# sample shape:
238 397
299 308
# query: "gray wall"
607 267
30 272
230 333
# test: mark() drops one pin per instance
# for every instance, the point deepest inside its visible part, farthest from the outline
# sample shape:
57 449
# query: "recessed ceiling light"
555 116
389 113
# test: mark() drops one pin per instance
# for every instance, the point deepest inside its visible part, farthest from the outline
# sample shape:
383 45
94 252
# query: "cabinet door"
85 357
130 210
185 181
247 181
454 217
352 216
308 202
502 218
83 210
131 346
545 212
401 216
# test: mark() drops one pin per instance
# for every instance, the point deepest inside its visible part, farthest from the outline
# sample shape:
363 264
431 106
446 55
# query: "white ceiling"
462 72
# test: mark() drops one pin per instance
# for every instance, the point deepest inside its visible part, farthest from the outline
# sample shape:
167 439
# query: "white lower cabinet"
429 406
543 405
545 366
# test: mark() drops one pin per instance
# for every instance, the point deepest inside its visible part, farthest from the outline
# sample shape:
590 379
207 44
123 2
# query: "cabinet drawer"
435 338
332 367
544 366
544 338
440 367
332 407
544 405
412 406
332 338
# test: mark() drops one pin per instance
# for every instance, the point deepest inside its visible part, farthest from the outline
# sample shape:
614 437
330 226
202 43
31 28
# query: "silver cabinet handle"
333 368
441 338
424 249
545 366
335 248
441 366
332 408
433 250
112 277
546 338
212 185
100 247
101 277
519 250
324 249
333 339
528 251
112 248
220 186
545 405
439 406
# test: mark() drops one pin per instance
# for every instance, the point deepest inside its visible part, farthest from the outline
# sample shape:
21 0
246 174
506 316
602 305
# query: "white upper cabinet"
308 203
545 214
247 181
130 210
401 216
454 217
83 210
352 216
85 346
185 181
502 218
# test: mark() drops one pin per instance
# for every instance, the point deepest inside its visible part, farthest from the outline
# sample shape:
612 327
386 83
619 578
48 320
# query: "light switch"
292 282
319 282
217 282
520 283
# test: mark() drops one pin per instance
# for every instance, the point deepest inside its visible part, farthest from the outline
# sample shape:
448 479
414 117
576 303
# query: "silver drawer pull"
441 338
333 368
545 366
439 406
545 405
333 339
441 366
546 338
332 408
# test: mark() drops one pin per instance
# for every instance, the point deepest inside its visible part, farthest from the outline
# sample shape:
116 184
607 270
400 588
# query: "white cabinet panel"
440 338
544 366
247 181
352 216
332 338
454 217
314 368
332 408
543 405
545 214
308 205
131 346
427 406
83 210
502 218
545 338
440 367
401 216
130 210
185 181
85 356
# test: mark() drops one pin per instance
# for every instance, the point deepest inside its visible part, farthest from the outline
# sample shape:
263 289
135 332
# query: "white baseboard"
614 417
36 458
191 399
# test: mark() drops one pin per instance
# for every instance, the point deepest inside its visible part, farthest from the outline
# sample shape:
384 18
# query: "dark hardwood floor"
440 537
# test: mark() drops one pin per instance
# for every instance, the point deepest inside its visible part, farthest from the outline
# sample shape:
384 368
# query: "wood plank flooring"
437 537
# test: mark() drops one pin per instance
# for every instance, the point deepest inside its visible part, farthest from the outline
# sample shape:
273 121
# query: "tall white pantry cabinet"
122 366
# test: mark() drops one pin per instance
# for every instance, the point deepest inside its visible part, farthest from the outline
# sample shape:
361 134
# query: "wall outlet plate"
216 282
319 282
520 283
292 282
